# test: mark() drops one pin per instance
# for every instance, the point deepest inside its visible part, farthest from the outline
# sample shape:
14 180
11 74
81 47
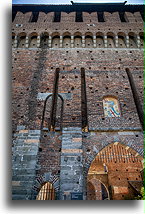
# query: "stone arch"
21 40
121 40
133 147
132 40
111 106
122 164
44 38
141 35
88 40
42 179
13 38
54 34
66 40
100 40
129 151
77 40
66 34
33 40
110 40
77 33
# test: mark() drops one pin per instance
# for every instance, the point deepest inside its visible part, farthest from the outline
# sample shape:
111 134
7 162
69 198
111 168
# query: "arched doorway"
96 190
46 192
97 179
118 168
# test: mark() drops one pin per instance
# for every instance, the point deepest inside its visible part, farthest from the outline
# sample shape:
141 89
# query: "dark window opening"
40 149
33 37
84 101
100 17
79 17
123 17
57 16
22 37
13 16
132 38
34 17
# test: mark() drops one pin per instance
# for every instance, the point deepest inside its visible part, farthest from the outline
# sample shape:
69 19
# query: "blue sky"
68 1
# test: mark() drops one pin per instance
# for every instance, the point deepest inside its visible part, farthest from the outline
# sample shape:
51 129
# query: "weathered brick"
66 152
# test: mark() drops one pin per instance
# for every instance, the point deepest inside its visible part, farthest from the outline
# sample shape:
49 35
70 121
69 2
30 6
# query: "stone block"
20 128
15 183
32 141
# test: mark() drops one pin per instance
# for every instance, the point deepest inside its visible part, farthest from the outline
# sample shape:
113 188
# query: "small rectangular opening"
57 16
79 17
34 17
123 17
100 16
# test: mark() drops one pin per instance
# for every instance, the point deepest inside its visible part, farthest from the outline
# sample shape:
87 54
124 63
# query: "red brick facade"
78 64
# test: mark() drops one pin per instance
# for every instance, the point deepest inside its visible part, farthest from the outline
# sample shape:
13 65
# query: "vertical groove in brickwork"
54 100
35 86
135 96
83 100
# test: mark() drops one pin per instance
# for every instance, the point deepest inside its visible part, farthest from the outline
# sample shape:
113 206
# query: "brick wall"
105 75
33 79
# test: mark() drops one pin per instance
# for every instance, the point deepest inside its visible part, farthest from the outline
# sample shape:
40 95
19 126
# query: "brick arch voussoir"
92 157
47 177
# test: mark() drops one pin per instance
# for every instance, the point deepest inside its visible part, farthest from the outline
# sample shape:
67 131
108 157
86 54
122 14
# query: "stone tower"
77 101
